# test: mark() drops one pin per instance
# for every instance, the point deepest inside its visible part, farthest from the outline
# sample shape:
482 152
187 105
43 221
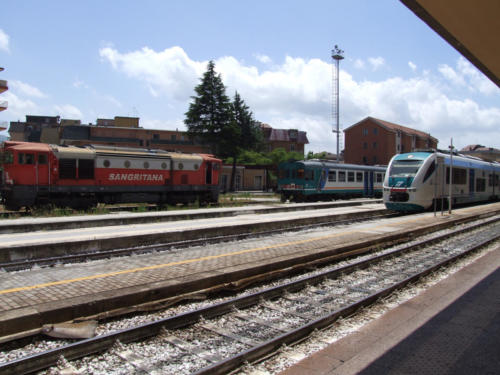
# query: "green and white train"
320 180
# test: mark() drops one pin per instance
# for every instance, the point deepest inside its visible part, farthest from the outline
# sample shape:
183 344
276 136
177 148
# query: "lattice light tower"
336 56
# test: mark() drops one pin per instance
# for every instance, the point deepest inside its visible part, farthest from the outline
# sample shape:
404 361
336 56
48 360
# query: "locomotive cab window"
42 159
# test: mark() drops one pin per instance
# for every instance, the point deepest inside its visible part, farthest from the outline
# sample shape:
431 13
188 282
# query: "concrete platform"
27 224
451 328
33 298
190 226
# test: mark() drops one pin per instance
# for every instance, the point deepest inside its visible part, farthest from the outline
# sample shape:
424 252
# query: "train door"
472 179
42 168
208 178
368 184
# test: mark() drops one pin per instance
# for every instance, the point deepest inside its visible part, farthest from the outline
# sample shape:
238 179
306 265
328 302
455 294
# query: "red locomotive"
80 177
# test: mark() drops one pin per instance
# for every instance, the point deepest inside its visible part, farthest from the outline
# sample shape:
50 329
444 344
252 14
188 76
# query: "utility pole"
337 55
451 175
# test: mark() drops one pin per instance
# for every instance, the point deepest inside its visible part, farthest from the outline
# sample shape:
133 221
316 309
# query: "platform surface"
451 328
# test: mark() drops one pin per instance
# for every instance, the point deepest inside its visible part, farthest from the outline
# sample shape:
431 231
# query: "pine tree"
209 116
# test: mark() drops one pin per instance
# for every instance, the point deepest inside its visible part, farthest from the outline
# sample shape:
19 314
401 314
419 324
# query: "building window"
375 159
375 131
156 137
365 160
374 144
365 131
292 147
365 145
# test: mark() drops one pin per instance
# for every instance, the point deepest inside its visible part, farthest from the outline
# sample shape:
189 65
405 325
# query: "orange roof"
28 146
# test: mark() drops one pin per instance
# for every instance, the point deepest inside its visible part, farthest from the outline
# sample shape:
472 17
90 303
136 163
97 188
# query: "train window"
127 164
459 176
332 176
184 179
430 170
350 176
180 166
163 165
379 177
359 176
196 166
30 159
67 168
480 184
341 176
85 168
300 173
146 165
405 168
42 159
106 163
20 158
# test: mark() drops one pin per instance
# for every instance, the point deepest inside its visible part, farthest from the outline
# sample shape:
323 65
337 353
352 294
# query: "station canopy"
471 27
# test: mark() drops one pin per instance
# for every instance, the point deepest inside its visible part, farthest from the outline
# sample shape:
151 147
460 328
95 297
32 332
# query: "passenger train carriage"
416 180
315 180
80 177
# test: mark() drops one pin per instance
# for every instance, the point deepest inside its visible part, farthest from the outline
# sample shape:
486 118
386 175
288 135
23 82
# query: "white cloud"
4 41
359 64
298 94
18 107
263 58
26 89
376 62
68 111
412 66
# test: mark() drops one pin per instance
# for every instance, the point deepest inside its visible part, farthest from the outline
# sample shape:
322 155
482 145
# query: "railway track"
222 337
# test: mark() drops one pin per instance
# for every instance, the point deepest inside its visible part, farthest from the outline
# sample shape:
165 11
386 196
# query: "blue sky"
99 59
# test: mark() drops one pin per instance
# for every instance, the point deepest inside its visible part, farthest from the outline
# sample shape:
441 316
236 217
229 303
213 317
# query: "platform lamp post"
337 56
451 175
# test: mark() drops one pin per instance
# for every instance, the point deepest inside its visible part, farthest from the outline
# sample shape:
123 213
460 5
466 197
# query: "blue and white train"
320 180
416 181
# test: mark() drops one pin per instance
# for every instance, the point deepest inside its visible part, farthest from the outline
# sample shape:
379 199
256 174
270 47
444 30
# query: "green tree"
209 116
247 135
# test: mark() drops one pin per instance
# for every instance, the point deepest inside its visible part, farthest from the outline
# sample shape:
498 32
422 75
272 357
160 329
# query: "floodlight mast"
337 55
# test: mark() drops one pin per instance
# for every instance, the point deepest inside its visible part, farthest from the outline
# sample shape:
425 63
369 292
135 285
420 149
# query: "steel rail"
86 347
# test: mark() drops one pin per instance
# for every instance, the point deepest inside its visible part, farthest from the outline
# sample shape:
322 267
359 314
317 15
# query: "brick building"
292 140
373 142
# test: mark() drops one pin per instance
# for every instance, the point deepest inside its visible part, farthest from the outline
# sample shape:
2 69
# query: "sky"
99 59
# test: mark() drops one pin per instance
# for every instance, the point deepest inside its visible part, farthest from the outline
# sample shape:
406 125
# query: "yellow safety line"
187 261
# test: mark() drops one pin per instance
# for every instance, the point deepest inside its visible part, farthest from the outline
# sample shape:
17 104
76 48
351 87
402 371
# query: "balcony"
3 85
3 106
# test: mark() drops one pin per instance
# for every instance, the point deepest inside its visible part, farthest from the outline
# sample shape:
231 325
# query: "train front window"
405 168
